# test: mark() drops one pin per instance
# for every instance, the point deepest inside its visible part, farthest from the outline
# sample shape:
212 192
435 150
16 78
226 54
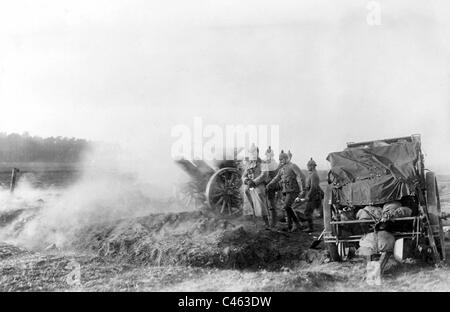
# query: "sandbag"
395 210
370 213
391 205
376 242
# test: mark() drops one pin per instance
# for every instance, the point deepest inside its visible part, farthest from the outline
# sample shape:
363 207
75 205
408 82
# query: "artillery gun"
215 186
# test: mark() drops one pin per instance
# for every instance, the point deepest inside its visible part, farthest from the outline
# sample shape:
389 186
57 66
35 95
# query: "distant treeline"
25 148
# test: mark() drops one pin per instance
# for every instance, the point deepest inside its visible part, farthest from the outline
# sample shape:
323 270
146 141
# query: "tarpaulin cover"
375 175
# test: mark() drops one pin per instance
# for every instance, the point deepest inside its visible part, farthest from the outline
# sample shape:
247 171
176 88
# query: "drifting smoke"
326 73
110 187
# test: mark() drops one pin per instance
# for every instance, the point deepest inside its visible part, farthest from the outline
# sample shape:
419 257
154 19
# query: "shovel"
316 243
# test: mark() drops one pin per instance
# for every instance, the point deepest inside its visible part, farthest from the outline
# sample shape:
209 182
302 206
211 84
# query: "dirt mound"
193 239
7 251
13 221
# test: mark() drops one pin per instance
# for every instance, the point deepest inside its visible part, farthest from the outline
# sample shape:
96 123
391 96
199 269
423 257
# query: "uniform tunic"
292 183
272 169
313 194
312 186
290 175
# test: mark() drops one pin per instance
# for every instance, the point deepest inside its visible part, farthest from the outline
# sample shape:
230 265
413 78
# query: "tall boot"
289 221
320 210
273 217
301 217
310 227
293 225
266 220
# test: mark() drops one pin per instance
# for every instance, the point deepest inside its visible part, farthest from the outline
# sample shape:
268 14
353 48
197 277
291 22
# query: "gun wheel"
223 193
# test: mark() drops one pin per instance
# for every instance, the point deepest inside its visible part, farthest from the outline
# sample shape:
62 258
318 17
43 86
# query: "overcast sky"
128 71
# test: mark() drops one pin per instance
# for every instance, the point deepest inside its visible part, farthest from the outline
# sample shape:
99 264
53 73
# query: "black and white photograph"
223 151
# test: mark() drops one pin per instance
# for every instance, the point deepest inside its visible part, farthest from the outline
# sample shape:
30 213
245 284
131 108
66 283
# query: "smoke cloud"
110 187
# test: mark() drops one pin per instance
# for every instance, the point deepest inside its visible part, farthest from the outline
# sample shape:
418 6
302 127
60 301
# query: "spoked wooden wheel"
191 196
223 192
434 212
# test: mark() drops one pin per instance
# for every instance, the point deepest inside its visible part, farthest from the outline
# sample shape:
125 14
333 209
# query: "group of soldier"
265 180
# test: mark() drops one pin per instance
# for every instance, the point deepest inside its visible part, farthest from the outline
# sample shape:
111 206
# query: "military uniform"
292 183
313 196
313 193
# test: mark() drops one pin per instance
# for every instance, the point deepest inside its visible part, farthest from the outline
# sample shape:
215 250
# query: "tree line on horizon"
25 148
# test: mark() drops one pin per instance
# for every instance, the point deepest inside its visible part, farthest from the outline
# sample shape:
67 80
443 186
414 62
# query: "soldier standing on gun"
313 194
293 183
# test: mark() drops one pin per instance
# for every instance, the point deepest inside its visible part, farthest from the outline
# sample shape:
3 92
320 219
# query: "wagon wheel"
434 212
223 192
328 213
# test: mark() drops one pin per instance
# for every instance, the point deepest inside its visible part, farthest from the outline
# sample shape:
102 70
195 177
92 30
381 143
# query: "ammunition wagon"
374 173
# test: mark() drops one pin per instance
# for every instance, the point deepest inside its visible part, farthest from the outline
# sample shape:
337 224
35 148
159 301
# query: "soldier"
293 183
271 166
313 194
254 179
289 155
